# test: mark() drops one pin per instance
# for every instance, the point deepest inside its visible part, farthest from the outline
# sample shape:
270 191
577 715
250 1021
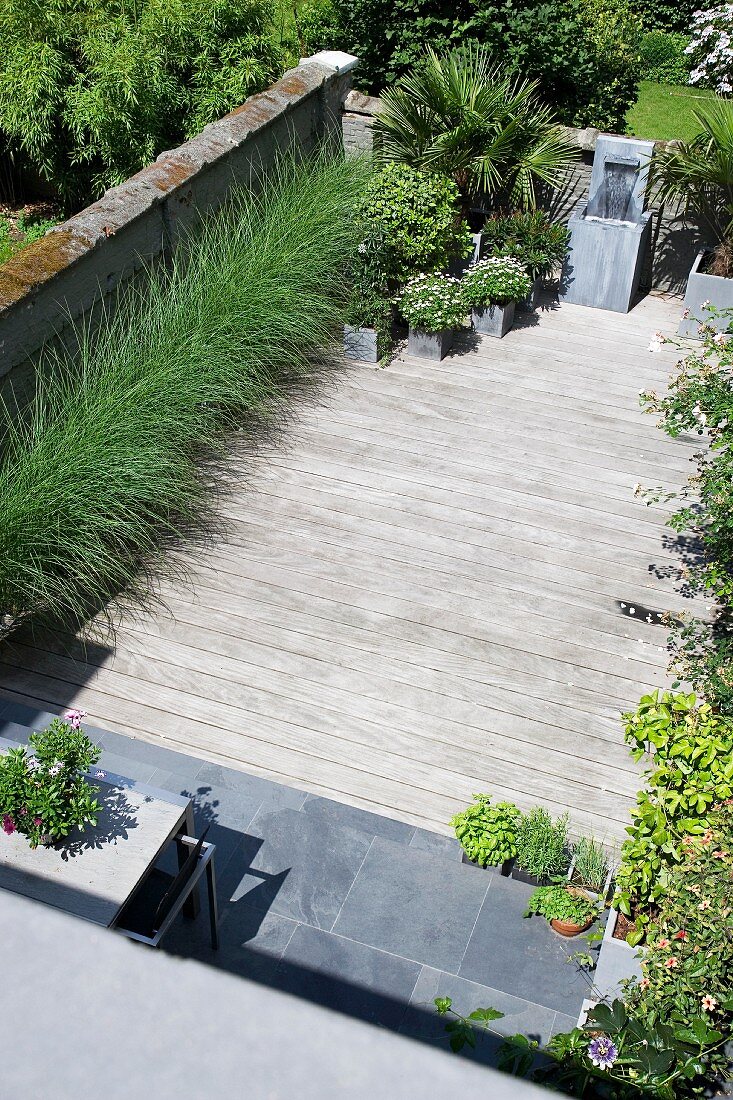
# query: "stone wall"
675 242
67 275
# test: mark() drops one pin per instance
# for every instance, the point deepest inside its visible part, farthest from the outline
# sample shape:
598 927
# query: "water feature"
610 231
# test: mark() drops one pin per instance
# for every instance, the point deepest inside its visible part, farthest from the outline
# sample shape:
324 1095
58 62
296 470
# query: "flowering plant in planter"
496 280
432 303
44 793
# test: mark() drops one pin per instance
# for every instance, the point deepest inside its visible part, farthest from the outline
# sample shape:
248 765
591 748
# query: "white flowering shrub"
711 49
495 281
433 303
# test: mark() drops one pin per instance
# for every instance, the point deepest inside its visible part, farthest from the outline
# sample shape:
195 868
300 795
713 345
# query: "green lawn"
663 112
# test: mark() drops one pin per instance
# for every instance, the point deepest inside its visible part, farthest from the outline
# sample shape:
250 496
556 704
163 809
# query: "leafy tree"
92 90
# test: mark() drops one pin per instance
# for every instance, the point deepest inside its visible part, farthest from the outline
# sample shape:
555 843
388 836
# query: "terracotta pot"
565 928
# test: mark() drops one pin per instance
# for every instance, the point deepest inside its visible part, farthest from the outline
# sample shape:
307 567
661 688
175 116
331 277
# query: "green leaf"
486 1014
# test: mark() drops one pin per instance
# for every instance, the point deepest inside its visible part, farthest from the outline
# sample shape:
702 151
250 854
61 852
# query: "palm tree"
465 116
699 175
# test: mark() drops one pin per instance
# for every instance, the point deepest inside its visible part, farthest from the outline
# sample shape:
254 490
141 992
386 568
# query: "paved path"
429 592
363 914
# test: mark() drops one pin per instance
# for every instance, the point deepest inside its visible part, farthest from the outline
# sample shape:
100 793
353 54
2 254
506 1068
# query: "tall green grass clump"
112 464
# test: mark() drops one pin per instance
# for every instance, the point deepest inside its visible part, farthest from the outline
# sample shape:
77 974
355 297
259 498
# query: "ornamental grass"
118 457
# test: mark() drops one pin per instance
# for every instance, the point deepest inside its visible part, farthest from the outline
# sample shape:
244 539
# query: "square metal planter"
616 961
429 345
705 288
493 320
529 305
361 344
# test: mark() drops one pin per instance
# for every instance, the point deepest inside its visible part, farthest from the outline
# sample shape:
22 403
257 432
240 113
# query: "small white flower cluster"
432 303
711 47
496 280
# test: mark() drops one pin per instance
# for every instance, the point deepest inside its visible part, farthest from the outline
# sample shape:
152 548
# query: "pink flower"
644 983
8 824
37 820
74 717
671 962
662 943
681 935
709 1003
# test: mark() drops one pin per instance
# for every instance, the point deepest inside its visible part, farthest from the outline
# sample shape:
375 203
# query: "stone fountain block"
605 260
610 233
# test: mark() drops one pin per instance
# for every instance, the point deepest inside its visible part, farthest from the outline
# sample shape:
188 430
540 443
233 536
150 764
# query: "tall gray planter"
493 320
361 344
529 304
705 288
429 345
616 961
458 268
610 232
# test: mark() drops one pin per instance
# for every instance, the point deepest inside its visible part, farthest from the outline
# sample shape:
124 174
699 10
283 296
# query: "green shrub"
488 834
665 15
414 219
495 281
531 237
90 92
44 793
109 467
662 57
583 52
542 844
562 903
691 771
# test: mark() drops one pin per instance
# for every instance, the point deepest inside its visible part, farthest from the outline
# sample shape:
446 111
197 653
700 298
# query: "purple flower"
602 1052
31 763
8 824
74 717
100 775
55 769
37 820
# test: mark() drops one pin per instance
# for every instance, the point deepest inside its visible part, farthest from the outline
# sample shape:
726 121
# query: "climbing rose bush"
711 49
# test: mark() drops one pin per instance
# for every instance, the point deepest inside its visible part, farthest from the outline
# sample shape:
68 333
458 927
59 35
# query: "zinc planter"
361 344
493 320
458 268
429 345
705 288
503 869
529 305
616 961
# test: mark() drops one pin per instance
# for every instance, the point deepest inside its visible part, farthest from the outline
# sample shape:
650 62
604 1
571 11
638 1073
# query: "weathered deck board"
427 593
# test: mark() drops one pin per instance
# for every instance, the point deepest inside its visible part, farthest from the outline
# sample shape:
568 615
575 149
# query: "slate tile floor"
350 909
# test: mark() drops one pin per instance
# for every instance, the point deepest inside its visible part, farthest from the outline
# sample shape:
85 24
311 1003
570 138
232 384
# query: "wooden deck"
428 594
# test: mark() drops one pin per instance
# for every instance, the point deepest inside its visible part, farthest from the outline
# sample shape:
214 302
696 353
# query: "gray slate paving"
350 909
404 900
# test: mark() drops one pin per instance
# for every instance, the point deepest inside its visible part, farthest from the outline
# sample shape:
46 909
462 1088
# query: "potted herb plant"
538 243
44 793
699 175
590 867
542 847
491 289
433 307
488 834
569 910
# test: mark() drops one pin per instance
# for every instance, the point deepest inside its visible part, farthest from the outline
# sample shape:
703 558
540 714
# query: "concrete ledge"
65 275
